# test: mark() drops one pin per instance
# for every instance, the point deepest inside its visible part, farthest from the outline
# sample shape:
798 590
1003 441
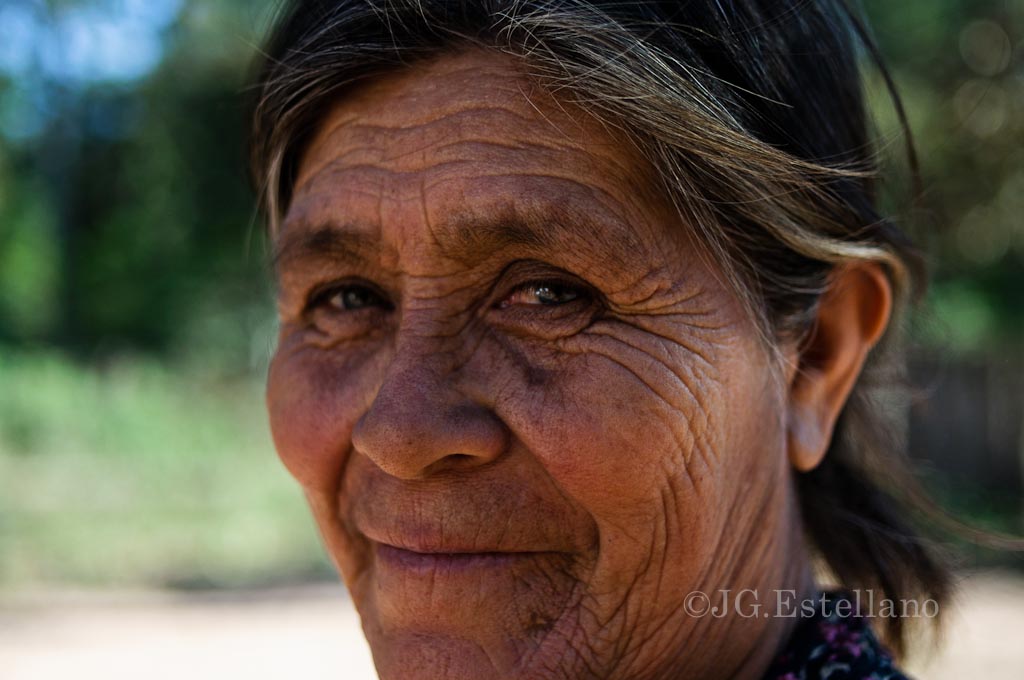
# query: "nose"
419 425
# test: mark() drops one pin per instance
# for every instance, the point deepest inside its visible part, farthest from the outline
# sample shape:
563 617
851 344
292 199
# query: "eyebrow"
333 241
464 238
468 239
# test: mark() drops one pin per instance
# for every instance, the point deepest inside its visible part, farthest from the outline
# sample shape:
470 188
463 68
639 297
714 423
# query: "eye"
547 307
544 293
348 297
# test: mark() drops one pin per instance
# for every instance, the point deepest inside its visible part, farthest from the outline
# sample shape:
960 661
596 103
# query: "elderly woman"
579 303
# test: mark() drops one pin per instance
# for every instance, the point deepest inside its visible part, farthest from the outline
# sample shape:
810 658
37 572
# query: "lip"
421 561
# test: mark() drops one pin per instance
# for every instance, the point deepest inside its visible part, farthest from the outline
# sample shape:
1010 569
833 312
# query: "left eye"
545 293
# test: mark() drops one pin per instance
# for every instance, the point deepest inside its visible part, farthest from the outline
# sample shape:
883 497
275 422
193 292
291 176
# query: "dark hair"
752 114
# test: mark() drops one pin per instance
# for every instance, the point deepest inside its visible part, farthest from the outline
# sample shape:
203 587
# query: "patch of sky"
48 50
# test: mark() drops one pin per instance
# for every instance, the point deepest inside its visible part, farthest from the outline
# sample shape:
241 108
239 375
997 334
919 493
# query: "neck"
797 585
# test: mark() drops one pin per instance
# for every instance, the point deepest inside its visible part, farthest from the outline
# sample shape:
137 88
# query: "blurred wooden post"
968 426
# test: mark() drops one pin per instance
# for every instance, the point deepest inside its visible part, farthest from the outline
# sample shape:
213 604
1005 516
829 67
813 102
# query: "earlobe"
806 437
852 316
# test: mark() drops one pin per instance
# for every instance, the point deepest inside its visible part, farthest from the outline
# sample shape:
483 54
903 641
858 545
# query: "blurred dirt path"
311 632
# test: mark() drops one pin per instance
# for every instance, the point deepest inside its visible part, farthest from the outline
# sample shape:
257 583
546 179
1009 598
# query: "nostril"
415 427
454 461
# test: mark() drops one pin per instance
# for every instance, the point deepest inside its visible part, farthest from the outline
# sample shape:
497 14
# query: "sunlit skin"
528 415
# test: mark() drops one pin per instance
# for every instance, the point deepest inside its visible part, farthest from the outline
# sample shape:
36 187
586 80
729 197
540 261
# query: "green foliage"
137 472
28 258
138 452
130 221
960 70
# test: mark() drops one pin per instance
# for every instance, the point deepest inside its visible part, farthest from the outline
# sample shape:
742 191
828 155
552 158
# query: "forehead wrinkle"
550 230
468 116
364 135
555 215
377 139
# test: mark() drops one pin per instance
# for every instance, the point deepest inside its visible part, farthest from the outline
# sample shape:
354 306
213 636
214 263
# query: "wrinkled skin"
527 415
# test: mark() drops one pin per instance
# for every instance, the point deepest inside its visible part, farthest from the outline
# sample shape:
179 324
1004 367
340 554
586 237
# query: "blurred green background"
136 318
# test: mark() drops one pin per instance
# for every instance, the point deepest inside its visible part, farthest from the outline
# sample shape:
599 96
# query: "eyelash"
582 296
322 296
581 293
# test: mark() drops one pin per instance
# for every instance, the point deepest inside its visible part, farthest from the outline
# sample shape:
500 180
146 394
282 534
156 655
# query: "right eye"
347 297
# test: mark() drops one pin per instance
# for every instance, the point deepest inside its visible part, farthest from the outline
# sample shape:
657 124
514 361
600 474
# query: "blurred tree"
126 208
959 66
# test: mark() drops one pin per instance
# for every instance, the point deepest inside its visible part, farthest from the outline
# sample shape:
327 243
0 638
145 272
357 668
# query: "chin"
475 619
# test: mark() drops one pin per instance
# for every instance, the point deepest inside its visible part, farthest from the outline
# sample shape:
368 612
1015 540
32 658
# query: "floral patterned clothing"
834 644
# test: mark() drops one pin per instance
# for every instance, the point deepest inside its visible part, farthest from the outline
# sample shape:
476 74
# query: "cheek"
655 444
628 457
313 401
617 428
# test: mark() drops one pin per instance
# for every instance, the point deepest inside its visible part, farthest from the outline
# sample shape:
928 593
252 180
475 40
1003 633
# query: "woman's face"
527 414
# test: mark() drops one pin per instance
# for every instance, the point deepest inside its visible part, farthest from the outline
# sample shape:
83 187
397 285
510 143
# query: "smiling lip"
457 561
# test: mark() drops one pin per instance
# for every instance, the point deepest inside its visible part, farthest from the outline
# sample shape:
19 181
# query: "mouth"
451 561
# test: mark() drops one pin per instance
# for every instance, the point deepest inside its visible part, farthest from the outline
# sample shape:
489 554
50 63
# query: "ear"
852 315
